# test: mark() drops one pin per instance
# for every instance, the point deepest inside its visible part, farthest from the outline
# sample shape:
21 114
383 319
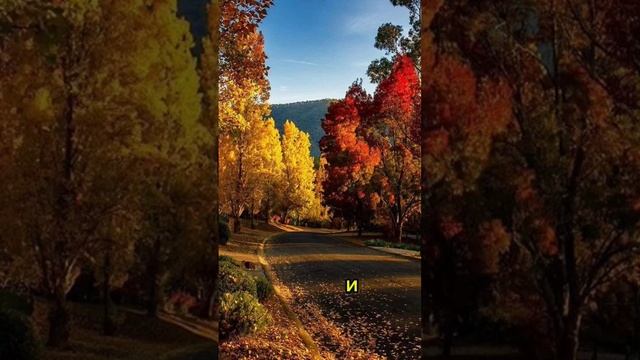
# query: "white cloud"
364 23
301 62
370 14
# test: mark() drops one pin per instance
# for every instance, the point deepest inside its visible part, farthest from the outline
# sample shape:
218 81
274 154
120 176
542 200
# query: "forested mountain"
307 115
195 12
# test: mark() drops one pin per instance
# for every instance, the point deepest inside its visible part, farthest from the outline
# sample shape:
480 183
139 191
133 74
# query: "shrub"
12 301
224 233
241 314
18 340
232 278
228 259
264 288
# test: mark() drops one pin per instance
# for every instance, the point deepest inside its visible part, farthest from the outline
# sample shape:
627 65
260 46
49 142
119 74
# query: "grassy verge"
279 340
382 243
139 337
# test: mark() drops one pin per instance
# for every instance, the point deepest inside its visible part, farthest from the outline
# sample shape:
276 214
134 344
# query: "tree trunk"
396 231
59 318
236 223
569 341
208 309
59 322
153 274
154 297
108 323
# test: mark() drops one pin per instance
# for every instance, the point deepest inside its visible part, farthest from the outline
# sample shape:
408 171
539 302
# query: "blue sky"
317 48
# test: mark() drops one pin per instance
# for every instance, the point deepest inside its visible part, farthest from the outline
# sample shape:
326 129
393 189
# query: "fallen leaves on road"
345 328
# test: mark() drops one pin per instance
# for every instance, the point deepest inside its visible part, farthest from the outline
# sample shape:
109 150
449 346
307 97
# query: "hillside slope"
307 115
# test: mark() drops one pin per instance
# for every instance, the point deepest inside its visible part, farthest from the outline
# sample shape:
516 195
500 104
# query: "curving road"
384 317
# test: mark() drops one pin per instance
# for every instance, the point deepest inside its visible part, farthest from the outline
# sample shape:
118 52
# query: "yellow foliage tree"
240 137
299 175
265 166
93 111
316 212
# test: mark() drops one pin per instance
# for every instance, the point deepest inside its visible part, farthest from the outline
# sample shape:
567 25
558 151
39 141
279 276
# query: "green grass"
382 243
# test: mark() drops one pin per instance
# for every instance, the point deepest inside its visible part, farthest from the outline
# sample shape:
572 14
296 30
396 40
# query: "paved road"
384 317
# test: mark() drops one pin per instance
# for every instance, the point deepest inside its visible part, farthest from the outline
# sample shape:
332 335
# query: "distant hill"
195 12
307 115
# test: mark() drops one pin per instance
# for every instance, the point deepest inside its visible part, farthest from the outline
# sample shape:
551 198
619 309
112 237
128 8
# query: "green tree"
392 40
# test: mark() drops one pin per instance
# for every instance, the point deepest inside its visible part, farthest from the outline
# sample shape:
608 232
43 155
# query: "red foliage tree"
464 114
394 131
350 159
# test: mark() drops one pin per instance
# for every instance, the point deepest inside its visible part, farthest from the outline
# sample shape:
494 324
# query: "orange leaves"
242 53
546 237
437 142
524 187
452 92
450 227
540 227
458 100
494 241
495 106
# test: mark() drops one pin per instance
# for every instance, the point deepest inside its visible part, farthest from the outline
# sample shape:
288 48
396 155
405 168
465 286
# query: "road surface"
383 317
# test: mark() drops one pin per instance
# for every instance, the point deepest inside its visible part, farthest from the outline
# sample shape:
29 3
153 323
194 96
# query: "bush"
241 314
18 340
12 301
264 288
228 259
224 233
232 278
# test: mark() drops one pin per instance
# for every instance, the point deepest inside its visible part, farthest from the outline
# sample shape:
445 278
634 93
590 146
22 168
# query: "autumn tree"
316 213
299 175
393 131
244 90
465 116
264 167
350 160
242 122
91 98
173 153
561 176
65 165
